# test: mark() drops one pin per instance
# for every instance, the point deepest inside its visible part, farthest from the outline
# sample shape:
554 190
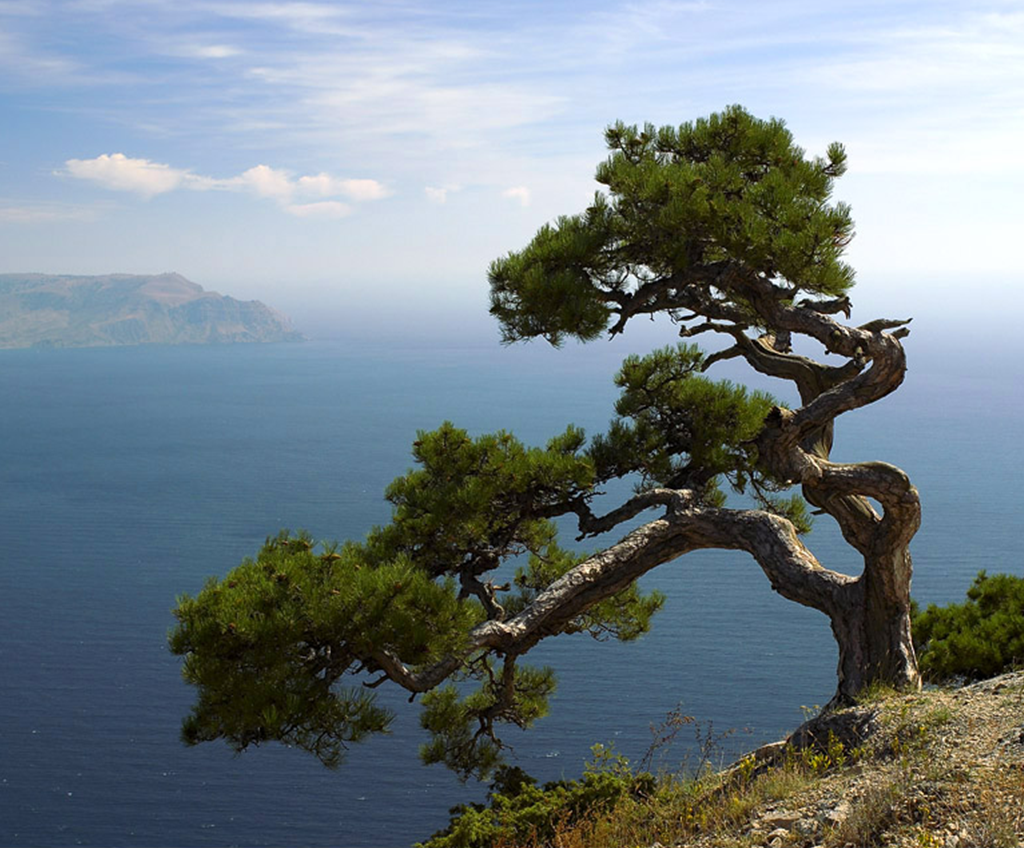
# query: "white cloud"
32 65
362 189
321 185
419 94
944 97
211 51
436 194
20 7
44 214
439 194
118 172
267 182
324 185
322 209
299 15
520 193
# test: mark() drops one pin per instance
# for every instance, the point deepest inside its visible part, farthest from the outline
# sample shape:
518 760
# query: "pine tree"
725 226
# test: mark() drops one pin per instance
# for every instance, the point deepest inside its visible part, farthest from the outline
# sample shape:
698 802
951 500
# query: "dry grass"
983 811
684 809
905 788
874 814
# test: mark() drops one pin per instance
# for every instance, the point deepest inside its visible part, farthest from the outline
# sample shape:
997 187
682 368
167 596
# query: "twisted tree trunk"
869 614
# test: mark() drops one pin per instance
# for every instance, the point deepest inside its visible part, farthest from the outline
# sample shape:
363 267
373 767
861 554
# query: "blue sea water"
129 475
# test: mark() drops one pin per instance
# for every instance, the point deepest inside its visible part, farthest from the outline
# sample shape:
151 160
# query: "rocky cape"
43 310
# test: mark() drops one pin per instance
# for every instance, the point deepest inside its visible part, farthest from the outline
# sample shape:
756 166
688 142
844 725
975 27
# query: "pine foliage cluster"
729 187
291 645
267 645
678 429
270 646
980 638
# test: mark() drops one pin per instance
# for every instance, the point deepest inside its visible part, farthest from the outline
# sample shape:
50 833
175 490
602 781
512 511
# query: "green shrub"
520 812
980 638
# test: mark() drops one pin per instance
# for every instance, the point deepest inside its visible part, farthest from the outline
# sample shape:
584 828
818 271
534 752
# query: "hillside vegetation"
942 768
41 310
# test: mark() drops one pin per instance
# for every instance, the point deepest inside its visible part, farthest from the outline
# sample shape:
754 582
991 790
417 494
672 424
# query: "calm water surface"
127 476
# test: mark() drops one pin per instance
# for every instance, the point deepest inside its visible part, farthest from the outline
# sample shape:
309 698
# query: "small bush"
980 638
521 813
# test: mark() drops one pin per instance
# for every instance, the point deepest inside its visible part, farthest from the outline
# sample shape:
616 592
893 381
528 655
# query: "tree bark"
870 614
872 629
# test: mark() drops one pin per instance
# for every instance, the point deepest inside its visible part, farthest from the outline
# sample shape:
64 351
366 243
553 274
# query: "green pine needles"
724 225
676 427
982 637
266 646
724 189
270 646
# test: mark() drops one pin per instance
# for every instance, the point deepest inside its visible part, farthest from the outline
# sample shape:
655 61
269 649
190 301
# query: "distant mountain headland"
46 310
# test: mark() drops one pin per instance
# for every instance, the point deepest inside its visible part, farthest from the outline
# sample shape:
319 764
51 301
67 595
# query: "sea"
128 476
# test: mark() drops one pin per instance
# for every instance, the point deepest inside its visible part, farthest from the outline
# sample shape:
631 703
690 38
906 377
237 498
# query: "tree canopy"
725 226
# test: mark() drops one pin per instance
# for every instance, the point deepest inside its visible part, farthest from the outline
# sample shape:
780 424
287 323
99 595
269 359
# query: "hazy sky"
329 156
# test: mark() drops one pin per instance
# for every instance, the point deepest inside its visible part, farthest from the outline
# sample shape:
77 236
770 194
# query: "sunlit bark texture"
727 228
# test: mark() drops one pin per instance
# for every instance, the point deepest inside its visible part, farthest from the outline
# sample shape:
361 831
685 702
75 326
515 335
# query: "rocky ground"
942 768
939 769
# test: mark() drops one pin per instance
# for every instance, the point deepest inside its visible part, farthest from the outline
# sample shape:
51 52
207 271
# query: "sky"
362 162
